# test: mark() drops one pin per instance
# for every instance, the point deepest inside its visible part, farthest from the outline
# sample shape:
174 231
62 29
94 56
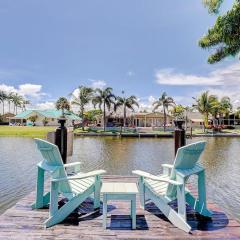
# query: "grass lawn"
25 131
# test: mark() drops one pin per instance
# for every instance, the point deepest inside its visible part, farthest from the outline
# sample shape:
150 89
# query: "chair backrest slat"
52 160
186 159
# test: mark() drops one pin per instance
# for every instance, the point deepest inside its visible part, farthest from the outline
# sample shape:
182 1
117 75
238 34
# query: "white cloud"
98 83
7 88
44 105
31 90
145 103
26 90
229 75
221 82
151 99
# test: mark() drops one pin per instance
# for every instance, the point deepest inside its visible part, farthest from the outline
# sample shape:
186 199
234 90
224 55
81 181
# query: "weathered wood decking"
21 222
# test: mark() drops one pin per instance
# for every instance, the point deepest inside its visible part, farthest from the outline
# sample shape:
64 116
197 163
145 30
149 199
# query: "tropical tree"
225 106
205 104
165 102
33 119
17 101
62 104
9 100
215 106
106 98
220 109
3 98
224 36
237 112
24 103
178 111
45 121
84 96
126 103
92 115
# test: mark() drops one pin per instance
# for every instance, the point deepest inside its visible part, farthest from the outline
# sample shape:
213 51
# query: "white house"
48 116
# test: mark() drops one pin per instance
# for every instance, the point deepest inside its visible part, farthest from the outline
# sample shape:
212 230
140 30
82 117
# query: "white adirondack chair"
171 185
75 188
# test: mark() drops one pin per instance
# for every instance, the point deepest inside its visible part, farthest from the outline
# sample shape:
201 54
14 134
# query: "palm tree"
205 104
126 102
24 103
187 110
178 111
225 106
104 97
9 100
17 101
84 96
165 102
3 98
62 104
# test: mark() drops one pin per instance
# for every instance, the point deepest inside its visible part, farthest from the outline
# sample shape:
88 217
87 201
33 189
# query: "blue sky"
48 48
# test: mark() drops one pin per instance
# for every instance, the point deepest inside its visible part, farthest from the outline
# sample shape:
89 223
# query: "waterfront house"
140 119
43 117
153 119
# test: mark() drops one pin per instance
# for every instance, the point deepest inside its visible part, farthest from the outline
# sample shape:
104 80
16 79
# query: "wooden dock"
21 222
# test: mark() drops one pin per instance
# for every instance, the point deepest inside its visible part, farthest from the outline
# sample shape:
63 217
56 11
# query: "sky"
144 47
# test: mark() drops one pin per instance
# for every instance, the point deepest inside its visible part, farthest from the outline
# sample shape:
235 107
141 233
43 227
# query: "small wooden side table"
119 191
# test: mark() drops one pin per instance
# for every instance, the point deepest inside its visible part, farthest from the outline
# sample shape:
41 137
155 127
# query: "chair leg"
104 211
142 192
197 206
97 192
40 189
181 202
53 199
60 214
202 194
170 213
200 204
133 212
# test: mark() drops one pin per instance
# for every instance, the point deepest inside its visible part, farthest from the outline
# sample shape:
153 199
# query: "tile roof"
51 113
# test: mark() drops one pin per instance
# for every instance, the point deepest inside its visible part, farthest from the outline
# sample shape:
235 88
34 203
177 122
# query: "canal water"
19 156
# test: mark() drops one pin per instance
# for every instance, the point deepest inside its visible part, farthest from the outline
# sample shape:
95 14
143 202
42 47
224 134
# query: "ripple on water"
18 158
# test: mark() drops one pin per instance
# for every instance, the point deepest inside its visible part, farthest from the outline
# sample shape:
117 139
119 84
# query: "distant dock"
153 135
22 223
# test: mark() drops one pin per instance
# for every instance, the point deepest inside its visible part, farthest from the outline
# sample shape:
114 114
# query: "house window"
52 119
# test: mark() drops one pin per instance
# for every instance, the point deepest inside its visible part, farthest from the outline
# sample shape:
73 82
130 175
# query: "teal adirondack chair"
171 185
76 188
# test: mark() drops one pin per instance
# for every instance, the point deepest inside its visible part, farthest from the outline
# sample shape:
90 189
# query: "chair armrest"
80 176
167 165
74 165
167 168
155 178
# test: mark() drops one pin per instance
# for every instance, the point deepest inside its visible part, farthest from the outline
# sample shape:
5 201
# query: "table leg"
133 212
104 211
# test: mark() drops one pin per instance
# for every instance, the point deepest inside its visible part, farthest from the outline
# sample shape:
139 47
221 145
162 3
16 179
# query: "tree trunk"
104 117
82 115
205 121
164 121
124 116
9 106
3 107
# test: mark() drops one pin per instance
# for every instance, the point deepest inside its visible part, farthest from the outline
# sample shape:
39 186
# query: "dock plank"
21 222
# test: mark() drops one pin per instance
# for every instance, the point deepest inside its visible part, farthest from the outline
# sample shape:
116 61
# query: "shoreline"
152 135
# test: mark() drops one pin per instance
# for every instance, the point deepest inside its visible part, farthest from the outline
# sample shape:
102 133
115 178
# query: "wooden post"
61 139
179 135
